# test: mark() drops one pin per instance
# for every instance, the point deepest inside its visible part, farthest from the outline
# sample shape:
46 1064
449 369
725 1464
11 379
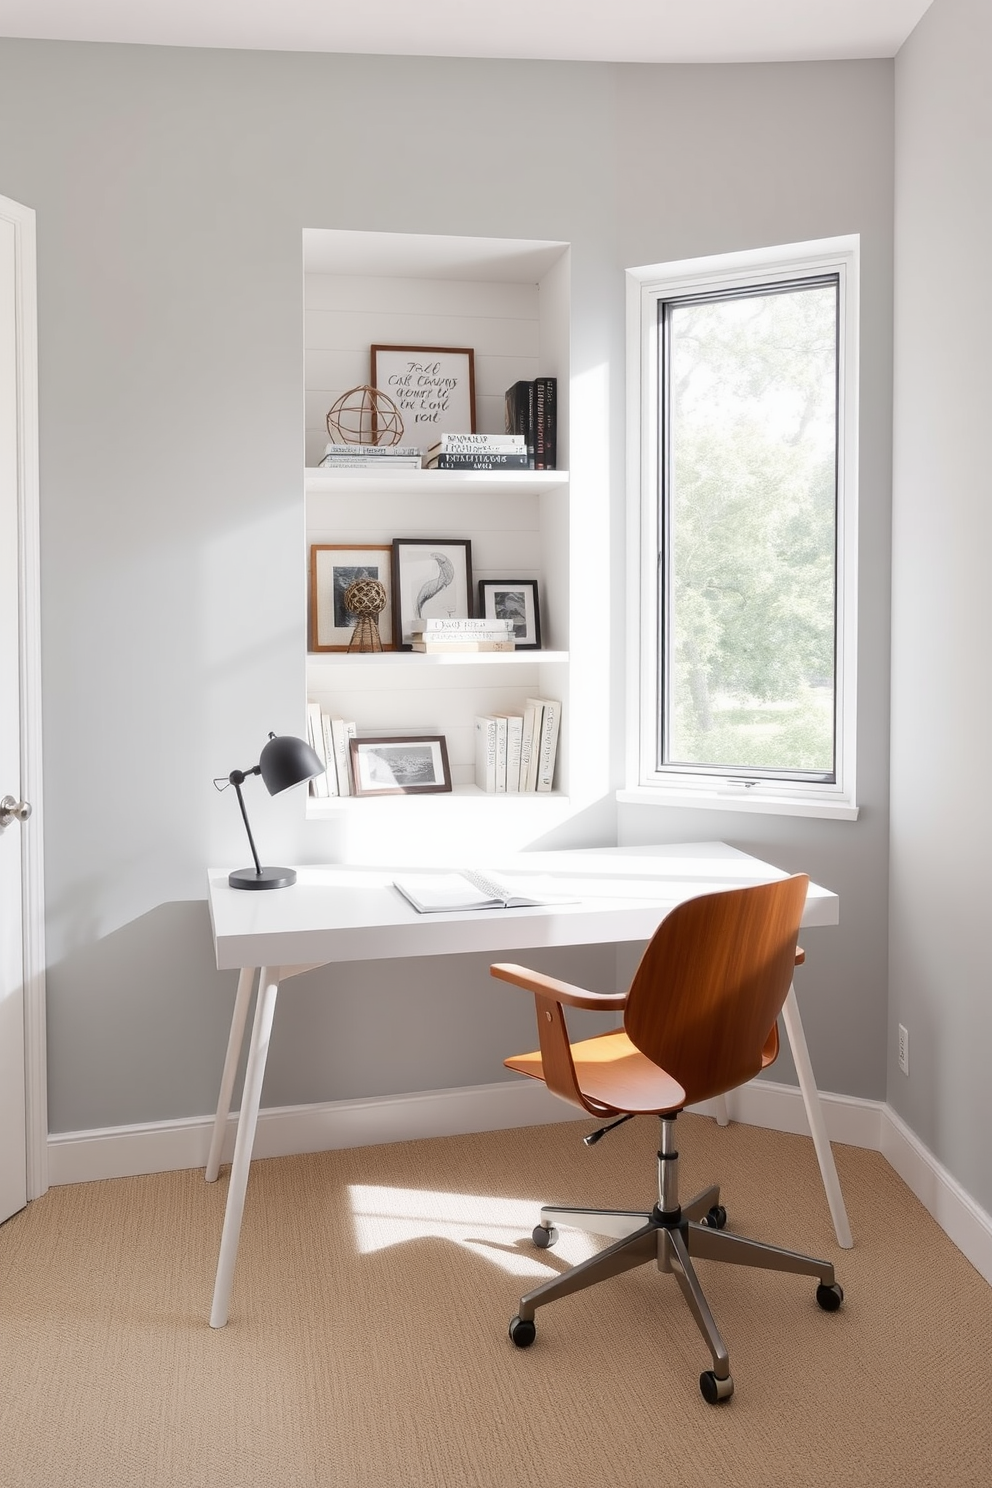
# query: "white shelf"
458 798
436 482
510 302
317 659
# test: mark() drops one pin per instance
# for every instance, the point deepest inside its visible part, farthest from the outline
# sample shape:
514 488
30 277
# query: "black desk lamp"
284 761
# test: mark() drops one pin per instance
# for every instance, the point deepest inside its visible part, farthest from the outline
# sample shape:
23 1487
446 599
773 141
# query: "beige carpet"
367 1346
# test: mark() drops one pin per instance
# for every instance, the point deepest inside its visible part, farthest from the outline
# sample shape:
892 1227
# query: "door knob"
11 810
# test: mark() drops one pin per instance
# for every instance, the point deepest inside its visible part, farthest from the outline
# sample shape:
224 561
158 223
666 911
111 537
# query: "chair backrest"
711 984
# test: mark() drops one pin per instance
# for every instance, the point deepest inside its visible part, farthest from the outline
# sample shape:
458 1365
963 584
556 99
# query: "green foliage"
752 531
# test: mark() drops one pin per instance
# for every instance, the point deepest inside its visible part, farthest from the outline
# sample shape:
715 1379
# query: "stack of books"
331 737
478 452
365 456
462 635
515 753
532 410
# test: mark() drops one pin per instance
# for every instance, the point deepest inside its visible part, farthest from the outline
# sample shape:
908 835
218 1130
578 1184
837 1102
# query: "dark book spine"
520 412
545 423
509 461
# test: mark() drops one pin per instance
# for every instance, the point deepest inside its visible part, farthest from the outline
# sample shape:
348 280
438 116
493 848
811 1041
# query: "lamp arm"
237 776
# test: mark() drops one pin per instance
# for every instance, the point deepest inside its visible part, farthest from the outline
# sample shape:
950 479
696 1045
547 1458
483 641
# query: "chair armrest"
565 992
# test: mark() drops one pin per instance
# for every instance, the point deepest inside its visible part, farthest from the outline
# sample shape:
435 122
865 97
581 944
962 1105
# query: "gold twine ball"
364 415
365 597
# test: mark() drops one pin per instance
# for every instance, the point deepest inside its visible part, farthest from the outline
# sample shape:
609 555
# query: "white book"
548 746
432 893
329 754
514 738
462 623
341 732
533 719
315 737
485 752
500 753
456 443
383 451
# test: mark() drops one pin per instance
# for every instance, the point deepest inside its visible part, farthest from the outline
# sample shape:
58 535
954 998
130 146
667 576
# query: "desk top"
339 913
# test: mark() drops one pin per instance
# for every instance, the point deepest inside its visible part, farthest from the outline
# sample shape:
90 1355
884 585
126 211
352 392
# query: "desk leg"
234 1043
814 1115
268 987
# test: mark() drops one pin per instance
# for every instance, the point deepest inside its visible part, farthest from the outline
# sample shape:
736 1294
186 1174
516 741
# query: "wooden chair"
699 1019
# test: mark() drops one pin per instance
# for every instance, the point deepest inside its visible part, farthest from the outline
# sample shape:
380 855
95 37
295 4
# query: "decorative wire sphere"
365 598
364 415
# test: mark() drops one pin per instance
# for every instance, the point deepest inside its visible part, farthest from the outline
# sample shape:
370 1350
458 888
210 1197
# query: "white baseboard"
163 1146
157 1147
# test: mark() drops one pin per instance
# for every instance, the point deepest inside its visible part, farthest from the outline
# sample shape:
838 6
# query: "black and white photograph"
516 600
334 567
432 578
400 766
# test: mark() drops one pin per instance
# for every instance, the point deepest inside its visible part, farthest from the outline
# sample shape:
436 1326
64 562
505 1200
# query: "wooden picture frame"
432 576
432 386
333 566
515 599
400 765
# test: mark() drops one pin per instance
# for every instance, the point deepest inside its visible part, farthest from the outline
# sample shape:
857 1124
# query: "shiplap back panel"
346 315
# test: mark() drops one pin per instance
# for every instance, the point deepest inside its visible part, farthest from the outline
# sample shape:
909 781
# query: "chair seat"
615 1075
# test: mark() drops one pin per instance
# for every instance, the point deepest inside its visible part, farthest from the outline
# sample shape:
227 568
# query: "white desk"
355 914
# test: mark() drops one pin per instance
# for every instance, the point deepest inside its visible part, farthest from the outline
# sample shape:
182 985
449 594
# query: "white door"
21 1099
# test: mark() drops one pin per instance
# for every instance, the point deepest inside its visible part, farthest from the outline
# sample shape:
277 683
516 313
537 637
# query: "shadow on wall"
137 1023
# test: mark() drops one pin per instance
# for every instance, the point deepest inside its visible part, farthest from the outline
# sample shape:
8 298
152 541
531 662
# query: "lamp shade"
285 761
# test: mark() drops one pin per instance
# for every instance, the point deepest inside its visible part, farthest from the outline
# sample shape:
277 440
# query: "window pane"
749 529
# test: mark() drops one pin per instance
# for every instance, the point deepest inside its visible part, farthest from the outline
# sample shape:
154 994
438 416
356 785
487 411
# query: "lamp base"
269 878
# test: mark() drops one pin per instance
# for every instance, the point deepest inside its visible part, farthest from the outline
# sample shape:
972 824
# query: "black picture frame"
516 599
432 577
400 765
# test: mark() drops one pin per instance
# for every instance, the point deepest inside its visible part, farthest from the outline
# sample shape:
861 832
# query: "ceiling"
568 30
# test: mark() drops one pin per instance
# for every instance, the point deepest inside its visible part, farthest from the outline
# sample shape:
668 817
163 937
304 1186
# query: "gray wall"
941 987
171 188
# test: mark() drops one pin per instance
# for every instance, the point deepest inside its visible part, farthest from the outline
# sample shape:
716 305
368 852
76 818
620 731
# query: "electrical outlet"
904 1049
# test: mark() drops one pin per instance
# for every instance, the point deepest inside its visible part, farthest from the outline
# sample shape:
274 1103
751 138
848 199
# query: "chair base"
672 1240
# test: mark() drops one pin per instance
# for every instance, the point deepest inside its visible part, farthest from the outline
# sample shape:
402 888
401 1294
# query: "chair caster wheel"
522 1332
714 1390
715 1218
830 1297
544 1236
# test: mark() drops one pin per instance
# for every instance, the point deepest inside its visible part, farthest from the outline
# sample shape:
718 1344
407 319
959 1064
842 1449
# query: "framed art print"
400 765
334 567
432 577
432 386
516 600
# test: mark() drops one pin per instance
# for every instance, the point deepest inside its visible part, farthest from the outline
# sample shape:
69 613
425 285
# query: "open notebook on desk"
437 892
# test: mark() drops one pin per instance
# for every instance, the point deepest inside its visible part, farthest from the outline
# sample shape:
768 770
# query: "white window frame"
646 287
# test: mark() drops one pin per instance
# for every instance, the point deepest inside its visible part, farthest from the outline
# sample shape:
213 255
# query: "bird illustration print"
444 576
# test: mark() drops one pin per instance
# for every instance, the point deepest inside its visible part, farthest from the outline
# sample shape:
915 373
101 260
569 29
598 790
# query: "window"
743 454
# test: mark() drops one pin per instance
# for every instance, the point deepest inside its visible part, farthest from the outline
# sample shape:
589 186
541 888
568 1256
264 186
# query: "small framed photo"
400 766
432 386
334 567
432 577
516 600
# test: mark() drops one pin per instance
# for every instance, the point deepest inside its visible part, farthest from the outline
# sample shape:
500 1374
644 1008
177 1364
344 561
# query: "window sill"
712 800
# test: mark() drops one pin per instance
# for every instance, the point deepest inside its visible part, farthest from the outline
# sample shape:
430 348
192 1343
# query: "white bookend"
549 744
319 784
341 732
514 738
485 752
329 755
533 718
